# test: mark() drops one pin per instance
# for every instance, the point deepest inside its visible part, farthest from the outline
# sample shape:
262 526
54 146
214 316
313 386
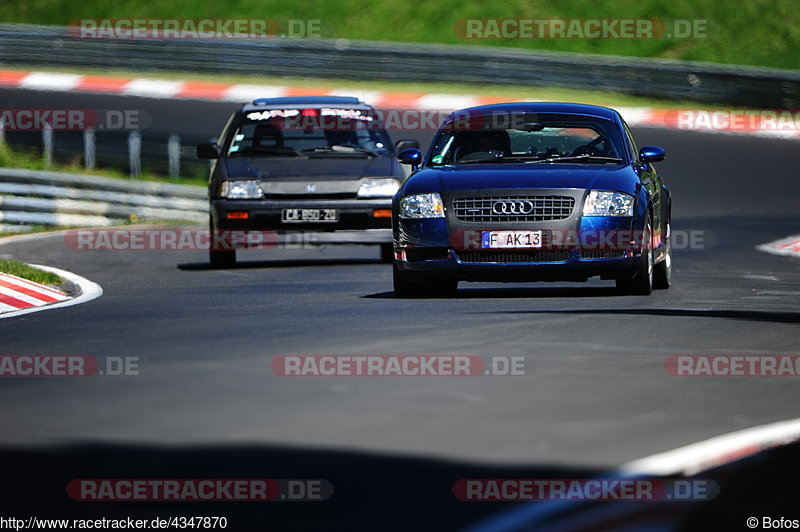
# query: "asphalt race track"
595 394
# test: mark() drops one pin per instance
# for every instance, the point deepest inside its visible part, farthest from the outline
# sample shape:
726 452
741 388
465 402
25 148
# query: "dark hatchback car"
320 166
532 192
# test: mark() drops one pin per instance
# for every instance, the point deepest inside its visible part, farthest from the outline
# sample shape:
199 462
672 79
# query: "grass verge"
26 272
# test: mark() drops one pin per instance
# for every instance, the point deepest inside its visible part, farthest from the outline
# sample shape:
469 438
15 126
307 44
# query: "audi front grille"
516 208
603 254
513 257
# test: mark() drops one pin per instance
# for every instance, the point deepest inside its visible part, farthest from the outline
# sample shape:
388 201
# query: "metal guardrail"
30 197
362 60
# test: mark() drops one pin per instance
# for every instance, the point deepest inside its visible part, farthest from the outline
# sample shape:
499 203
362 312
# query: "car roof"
544 107
305 101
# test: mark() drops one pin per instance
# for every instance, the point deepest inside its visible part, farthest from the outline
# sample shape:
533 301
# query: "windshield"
514 137
308 132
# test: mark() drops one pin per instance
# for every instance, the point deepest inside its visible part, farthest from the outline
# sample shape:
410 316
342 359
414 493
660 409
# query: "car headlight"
604 203
241 190
378 187
422 206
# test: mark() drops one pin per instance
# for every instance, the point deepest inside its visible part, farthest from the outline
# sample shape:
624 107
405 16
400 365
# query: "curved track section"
596 393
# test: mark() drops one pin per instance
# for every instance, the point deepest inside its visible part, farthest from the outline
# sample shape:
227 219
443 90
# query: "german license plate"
511 239
309 215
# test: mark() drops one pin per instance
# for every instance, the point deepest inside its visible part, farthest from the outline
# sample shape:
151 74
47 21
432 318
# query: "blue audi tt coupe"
523 192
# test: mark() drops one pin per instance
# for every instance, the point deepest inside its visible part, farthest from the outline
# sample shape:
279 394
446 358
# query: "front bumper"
575 248
574 267
357 222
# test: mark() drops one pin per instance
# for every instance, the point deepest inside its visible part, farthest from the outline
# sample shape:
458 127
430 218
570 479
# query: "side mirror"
651 154
410 156
406 144
208 151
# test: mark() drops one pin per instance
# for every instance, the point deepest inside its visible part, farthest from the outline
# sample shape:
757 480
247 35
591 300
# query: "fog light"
238 215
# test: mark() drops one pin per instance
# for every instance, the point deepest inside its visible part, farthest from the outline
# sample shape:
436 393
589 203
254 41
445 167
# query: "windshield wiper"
578 159
511 159
476 161
346 150
266 150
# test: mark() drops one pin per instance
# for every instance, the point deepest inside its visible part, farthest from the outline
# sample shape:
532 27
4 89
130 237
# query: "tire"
642 281
387 253
662 273
409 287
220 259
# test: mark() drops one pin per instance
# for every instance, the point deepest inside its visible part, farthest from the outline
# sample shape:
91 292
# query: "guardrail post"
89 148
174 154
47 144
135 154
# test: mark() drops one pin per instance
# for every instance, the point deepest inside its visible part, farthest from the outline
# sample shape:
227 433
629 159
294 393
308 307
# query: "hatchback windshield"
297 134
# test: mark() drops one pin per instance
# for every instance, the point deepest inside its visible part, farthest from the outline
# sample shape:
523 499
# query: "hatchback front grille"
516 208
512 257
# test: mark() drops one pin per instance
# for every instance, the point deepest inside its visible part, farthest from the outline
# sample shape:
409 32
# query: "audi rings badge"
511 207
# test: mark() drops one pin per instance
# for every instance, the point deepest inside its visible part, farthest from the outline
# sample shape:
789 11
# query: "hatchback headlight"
422 206
241 190
378 187
604 203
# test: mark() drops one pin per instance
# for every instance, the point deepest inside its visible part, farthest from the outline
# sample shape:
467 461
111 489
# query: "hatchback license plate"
511 239
309 215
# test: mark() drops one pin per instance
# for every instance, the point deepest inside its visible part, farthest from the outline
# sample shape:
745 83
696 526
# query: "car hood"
291 175
537 175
